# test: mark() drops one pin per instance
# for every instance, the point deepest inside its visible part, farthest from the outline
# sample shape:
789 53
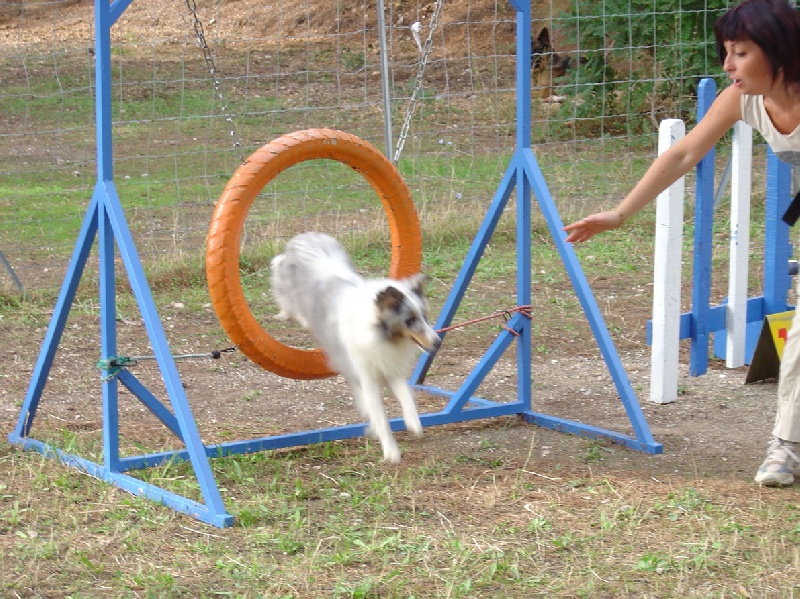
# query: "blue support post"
524 339
108 341
703 236
777 248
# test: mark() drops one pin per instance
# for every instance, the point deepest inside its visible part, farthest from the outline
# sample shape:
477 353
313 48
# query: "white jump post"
741 177
668 257
667 277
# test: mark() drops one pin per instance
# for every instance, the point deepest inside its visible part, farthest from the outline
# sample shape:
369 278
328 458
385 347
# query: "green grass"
361 530
169 154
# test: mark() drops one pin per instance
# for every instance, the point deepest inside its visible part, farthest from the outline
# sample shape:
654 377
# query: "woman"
758 43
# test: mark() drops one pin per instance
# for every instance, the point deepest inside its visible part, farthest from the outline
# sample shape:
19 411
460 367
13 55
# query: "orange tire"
224 237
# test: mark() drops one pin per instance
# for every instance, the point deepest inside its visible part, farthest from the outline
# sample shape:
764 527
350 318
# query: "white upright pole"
736 308
667 278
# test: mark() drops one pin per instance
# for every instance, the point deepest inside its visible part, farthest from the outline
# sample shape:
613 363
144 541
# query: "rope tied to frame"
114 364
506 314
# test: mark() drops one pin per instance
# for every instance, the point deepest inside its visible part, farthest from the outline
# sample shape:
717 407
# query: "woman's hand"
585 229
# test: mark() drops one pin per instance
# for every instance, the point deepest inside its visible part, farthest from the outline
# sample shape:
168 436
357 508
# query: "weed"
594 452
538 525
652 563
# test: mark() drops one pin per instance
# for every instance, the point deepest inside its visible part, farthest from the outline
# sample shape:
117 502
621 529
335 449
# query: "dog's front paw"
413 425
391 454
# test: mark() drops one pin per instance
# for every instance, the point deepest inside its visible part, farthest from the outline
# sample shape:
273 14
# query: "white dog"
371 330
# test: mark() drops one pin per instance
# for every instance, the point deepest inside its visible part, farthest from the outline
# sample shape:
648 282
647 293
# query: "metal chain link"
212 70
412 103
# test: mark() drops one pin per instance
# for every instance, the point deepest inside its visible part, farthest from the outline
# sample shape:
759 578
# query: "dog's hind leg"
355 387
402 392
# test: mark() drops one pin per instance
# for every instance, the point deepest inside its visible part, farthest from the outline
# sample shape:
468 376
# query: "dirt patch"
717 429
71 22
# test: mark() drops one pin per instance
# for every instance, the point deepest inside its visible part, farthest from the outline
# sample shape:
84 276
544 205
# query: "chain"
212 70
412 103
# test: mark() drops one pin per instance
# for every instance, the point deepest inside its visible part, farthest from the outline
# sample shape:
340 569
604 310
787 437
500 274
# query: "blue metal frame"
525 175
105 221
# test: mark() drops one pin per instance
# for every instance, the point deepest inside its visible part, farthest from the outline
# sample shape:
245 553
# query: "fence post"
667 277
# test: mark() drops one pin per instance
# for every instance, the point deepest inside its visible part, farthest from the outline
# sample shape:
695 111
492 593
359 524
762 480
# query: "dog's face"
402 314
546 64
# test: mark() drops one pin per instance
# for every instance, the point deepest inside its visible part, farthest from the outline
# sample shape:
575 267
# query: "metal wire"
114 364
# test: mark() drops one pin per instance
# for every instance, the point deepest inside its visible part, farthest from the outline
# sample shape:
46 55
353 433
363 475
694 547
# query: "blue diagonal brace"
589 304
469 266
55 329
485 365
158 341
152 403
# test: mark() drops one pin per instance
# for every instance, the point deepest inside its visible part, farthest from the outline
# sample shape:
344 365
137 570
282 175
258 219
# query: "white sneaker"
781 465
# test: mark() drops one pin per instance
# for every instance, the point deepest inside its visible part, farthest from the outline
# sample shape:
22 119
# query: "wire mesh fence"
197 87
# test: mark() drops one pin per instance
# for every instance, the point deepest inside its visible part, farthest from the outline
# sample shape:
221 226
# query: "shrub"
641 61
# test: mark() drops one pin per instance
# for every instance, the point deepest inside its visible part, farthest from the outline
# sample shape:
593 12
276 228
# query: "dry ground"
717 429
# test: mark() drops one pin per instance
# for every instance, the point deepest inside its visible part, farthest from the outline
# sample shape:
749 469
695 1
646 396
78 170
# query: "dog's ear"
390 298
416 284
542 43
544 38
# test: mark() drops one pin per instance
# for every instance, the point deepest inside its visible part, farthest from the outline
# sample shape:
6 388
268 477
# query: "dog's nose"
437 341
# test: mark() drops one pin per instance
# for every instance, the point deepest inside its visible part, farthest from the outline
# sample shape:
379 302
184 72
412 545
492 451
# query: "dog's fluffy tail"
275 265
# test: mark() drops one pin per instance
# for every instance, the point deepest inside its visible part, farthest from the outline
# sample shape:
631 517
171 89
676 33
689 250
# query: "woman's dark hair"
774 25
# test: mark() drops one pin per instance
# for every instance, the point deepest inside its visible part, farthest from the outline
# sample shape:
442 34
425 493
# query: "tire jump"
224 237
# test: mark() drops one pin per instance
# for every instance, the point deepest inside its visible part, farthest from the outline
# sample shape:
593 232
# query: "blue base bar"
477 409
557 424
752 333
594 432
128 483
